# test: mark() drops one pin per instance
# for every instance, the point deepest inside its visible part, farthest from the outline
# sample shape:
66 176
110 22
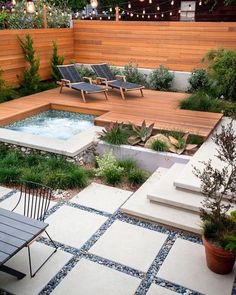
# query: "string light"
129 5
131 14
148 16
150 1
100 18
158 7
162 15
109 17
155 16
190 7
170 13
179 11
172 2
142 16
200 3
110 9
137 15
144 11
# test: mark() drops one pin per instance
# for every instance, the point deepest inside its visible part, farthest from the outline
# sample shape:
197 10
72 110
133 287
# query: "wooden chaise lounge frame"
72 79
106 77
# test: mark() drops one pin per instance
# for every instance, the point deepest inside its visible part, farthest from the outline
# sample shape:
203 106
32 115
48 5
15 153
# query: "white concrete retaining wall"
145 158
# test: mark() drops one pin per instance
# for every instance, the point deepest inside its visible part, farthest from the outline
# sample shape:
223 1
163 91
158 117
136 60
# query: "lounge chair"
106 77
72 79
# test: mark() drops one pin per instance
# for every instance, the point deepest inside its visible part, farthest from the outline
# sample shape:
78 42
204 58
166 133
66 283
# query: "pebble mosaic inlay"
151 277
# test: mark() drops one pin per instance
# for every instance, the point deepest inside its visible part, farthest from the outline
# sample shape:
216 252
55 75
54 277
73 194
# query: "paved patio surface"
104 252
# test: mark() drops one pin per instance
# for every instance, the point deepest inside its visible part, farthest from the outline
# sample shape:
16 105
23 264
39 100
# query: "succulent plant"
140 134
115 133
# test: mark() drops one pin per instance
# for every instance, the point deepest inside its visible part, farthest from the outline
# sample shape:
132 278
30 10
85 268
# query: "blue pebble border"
148 278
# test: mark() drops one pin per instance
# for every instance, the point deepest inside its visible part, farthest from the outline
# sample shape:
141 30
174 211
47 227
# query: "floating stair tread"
166 192
138 205
187 180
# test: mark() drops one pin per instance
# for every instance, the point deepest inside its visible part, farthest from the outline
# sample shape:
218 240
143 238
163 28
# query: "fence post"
45 15
117 13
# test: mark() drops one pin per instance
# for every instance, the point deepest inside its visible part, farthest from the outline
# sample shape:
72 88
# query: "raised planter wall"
145 158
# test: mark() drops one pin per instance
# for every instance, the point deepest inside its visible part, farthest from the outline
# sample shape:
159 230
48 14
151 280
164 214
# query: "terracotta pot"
218 260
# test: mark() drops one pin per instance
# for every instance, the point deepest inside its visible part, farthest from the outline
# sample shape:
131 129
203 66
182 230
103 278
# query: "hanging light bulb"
158 7
91 17
109 17
129 5
94 3
131 14
30 8
13 2
200 3
155 16
148 16
110 9
127 12
162 15
190 7
119 16
172 2
144 11
150 1
179 11
143 14
170 13
93 12
137 15
141 0
100 18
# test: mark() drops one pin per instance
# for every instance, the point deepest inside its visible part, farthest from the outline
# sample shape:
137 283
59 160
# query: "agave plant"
140 134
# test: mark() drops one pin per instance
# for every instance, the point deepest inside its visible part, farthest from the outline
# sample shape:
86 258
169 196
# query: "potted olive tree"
218 186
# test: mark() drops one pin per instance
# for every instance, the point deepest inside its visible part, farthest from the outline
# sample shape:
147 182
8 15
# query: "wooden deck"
156 107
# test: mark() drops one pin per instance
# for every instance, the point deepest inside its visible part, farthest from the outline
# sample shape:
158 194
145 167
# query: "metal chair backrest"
36 199
103 71
69 72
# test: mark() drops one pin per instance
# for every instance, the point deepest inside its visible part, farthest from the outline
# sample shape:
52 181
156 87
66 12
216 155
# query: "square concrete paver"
130 245
72 226
102 197
28 285
185 265
11 202
88 278
158 290
4 190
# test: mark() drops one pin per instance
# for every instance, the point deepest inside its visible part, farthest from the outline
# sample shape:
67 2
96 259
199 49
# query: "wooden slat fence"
177 45
12 60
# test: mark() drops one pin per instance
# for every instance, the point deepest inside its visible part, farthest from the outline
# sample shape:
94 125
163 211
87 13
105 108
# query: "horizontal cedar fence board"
177 45
11 57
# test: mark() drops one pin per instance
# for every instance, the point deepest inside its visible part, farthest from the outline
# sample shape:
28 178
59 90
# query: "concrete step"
187 180
166 193
139 206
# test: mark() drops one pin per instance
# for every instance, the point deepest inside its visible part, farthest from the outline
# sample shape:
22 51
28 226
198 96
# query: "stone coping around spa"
70 147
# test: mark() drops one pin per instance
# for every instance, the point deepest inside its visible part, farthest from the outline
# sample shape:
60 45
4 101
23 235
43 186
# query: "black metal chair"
72 79
36 200
106 77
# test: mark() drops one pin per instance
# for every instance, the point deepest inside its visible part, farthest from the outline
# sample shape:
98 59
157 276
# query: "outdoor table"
16 231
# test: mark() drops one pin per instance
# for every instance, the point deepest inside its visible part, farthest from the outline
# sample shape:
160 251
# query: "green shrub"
133 75
115 134
6 92
137 176
115 70
222 71
85 71
3 19
127 165
106 162
198 80
56 60
9 174
201 101
31 80
113 176
32 175
159 146
161 79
